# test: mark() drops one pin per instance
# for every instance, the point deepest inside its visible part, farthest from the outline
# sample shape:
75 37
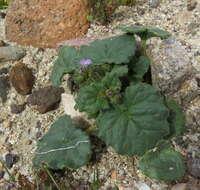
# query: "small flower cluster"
85 62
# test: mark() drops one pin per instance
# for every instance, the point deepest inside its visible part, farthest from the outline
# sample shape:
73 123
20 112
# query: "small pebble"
4 71
191 5
1 174
8 146
198 82
193 166
38 135
7 124
16 109
2 43
29 142
2 15
11 159
22 78
155 3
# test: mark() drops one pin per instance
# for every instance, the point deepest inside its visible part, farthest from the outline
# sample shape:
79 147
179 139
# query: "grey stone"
193 166
11 53
2 15
174 74
193 28
4 87
154 3
11 159
4 71
1 174
17 108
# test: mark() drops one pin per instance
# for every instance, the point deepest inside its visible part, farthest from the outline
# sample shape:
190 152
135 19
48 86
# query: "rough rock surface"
11 53
44 23
22 78
46 99
175 75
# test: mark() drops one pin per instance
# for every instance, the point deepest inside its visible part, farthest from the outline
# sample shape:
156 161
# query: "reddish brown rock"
46 99
22 78
191 4
43 23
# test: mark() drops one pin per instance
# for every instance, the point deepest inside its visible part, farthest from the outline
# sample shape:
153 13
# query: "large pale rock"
43 23
68 103
174 74
11 53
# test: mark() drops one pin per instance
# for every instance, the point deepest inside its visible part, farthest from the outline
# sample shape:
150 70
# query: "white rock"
142 186
68 103
180 186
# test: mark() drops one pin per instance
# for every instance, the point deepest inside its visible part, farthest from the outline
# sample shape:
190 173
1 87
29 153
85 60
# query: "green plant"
130 114
96 181
4 4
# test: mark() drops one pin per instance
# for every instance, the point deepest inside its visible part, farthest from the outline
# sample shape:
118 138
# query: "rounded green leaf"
162 163
141 68
176 119
132 29
138 124
145 32
156 32
64 146
67 61
117 49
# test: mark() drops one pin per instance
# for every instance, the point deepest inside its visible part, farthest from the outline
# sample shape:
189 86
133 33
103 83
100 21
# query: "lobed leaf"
162 163
67 61
145 32
138 124
176 119
63 146
117 49
141 68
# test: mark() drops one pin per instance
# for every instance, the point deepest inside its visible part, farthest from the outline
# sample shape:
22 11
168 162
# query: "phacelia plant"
113 88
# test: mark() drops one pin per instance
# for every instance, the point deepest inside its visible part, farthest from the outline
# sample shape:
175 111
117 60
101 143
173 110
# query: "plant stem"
144 46
49 173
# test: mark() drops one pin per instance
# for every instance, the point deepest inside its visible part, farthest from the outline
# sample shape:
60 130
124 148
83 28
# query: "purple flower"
85 62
